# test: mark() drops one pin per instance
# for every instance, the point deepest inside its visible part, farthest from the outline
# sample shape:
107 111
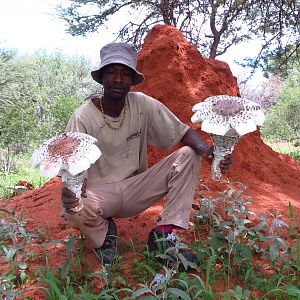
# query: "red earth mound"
177 75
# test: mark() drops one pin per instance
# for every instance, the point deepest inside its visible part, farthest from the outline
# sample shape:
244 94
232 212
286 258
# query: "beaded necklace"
107 122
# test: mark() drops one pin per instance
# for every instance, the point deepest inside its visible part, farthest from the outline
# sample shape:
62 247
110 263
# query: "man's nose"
118 77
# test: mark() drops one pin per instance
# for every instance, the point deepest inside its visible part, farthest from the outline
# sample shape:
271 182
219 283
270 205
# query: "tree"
279 31
283 123
9 72
41 94
213 26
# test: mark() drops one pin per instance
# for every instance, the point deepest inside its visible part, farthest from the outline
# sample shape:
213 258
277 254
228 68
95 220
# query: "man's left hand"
226 163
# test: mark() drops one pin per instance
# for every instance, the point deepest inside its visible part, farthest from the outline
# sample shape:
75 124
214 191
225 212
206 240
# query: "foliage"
16 134
282 62
57 115
13 240
278 30
10 183
282 124
40 92
9 72
212 26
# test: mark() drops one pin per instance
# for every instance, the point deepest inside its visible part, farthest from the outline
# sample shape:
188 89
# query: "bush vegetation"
38 95
283 121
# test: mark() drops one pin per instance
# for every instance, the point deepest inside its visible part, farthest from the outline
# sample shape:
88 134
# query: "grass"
286 148
22 171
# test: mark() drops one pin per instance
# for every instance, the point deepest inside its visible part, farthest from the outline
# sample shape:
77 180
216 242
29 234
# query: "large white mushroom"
227 119
68 155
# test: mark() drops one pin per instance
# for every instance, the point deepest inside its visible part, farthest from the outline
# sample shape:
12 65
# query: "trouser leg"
175 176
102 201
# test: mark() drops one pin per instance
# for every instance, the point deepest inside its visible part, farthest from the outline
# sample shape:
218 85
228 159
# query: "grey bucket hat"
118 53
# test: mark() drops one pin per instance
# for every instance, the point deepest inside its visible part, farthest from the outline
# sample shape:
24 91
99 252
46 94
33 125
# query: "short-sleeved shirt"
124 151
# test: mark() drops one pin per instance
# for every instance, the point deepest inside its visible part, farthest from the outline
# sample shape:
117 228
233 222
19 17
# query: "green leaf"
292 290
239 290
23 276
179 293
195 207
291 212
150 269
22 265
210 264
140 292
281 241
237 260
216 243
22 231
246 251
273 251
183 260
260 226
120 280
10 254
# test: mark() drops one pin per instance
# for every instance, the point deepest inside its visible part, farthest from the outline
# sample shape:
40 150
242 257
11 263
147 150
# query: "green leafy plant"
13 240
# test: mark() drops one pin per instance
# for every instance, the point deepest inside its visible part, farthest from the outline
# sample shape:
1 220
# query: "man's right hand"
69 199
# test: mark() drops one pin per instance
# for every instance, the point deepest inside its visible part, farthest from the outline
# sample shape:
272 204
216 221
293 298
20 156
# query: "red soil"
179 76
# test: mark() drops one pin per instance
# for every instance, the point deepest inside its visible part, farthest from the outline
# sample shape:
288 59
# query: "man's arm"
194 140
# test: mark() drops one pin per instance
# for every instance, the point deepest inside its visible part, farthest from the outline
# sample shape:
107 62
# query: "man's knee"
190 153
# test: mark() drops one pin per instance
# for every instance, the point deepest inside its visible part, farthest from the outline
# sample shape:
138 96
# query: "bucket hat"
118 53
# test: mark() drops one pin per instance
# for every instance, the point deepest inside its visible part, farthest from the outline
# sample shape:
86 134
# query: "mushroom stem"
74 184
223 145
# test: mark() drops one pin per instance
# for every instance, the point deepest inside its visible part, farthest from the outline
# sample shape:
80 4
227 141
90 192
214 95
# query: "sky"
29 25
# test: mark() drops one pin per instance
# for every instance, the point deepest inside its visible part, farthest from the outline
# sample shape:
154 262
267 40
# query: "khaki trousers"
175 176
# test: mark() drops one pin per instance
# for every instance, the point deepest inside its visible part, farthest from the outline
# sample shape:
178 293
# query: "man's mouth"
117 90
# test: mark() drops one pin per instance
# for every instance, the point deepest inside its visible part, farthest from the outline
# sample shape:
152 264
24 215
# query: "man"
120 184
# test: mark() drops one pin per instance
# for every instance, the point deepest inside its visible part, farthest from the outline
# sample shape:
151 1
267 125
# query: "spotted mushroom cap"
74 152
228 115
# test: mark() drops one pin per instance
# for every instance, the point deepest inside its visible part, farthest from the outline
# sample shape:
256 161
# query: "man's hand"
226 163
69 199
209 154
193 139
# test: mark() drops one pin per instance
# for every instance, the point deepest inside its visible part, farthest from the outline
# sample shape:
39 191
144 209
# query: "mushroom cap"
228 115
73 152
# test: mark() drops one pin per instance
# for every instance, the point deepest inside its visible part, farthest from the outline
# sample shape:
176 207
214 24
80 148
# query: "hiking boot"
106 253
162 243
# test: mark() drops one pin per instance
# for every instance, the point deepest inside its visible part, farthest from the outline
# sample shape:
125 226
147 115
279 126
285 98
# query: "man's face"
117 80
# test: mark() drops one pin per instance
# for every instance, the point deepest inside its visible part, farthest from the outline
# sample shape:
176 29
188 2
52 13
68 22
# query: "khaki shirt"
124 151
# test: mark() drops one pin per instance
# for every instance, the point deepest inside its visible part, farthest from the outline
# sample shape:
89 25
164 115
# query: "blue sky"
28 25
